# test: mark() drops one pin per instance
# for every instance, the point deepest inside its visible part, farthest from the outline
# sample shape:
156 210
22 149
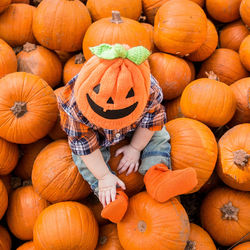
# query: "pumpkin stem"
27 47
211 75
116 17
191 245
142 226
19 109
103 240
229 212
79 59
241 158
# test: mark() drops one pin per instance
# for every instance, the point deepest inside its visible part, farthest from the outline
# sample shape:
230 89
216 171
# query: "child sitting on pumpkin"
114 96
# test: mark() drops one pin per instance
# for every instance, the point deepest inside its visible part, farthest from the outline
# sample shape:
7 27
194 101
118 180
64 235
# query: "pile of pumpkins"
201 59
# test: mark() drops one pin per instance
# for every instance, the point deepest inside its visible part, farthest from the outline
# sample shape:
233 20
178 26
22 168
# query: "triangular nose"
110 100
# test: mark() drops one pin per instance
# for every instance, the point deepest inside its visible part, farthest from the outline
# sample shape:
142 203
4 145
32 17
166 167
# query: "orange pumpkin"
208 47
101 9
8 61
199 239
51 24
24 207
71 223
16 24
72 67
163 68
3 199
108 238
192 144
226 64
233 161
224 11
245 12
4 5
203 93
115 30
29 154
40 61
150 30
134 181
5 240
173 109
6 179
180 27
232 35
146 226
244 52
64 182
242 246
27 246
28 108
225 215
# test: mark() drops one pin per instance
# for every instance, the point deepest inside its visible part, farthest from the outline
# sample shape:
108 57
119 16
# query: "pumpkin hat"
112 88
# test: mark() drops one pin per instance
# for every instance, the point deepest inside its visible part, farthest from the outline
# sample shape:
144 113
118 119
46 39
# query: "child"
113 97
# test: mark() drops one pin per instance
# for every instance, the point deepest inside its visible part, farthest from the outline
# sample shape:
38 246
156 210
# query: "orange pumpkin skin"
72 67
29 152
245 12
4 5
115 30
225 215
27 246
8 61
5 240
16 24
199 144
232 35
180 27
28 108
3 199
65 182
241 90
72 223
192 68
108 238
200 94
208 47
199 239
50 25
24 207
233 160
242 246
163 68
101 9
173 109
226 64
150 30
244 52
146 226
40 61
134 181
9 154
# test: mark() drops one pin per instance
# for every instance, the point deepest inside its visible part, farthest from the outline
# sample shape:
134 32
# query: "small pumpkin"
40 61
225 215
24 207
173 109
3 199
5 240
233 34
72 223
4 5
244 52
28 108
245 12
242 246
27 246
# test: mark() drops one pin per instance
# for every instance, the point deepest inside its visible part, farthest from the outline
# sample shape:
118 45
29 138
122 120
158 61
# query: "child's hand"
130 159
107 188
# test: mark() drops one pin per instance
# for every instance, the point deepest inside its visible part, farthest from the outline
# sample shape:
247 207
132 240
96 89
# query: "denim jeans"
157 151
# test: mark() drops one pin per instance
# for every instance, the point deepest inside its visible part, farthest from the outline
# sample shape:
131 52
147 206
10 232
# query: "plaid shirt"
85 137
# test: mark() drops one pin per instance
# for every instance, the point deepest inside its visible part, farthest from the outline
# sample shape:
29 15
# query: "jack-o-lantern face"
112 94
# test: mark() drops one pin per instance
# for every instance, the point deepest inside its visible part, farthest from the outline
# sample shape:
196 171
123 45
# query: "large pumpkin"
55 176
149 224
40 61
226 64
27 246
225 215
28 108
244 52
192 145
203 93
163 68
51 24
5 240
3 199
24 207
245 12
16 24
242 246
64 226
180 27
115 30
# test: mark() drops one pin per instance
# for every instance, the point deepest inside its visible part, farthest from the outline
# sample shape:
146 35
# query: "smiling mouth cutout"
111 114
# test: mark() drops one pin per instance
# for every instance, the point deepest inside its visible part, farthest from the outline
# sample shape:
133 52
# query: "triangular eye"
130 93
110 100
97 88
